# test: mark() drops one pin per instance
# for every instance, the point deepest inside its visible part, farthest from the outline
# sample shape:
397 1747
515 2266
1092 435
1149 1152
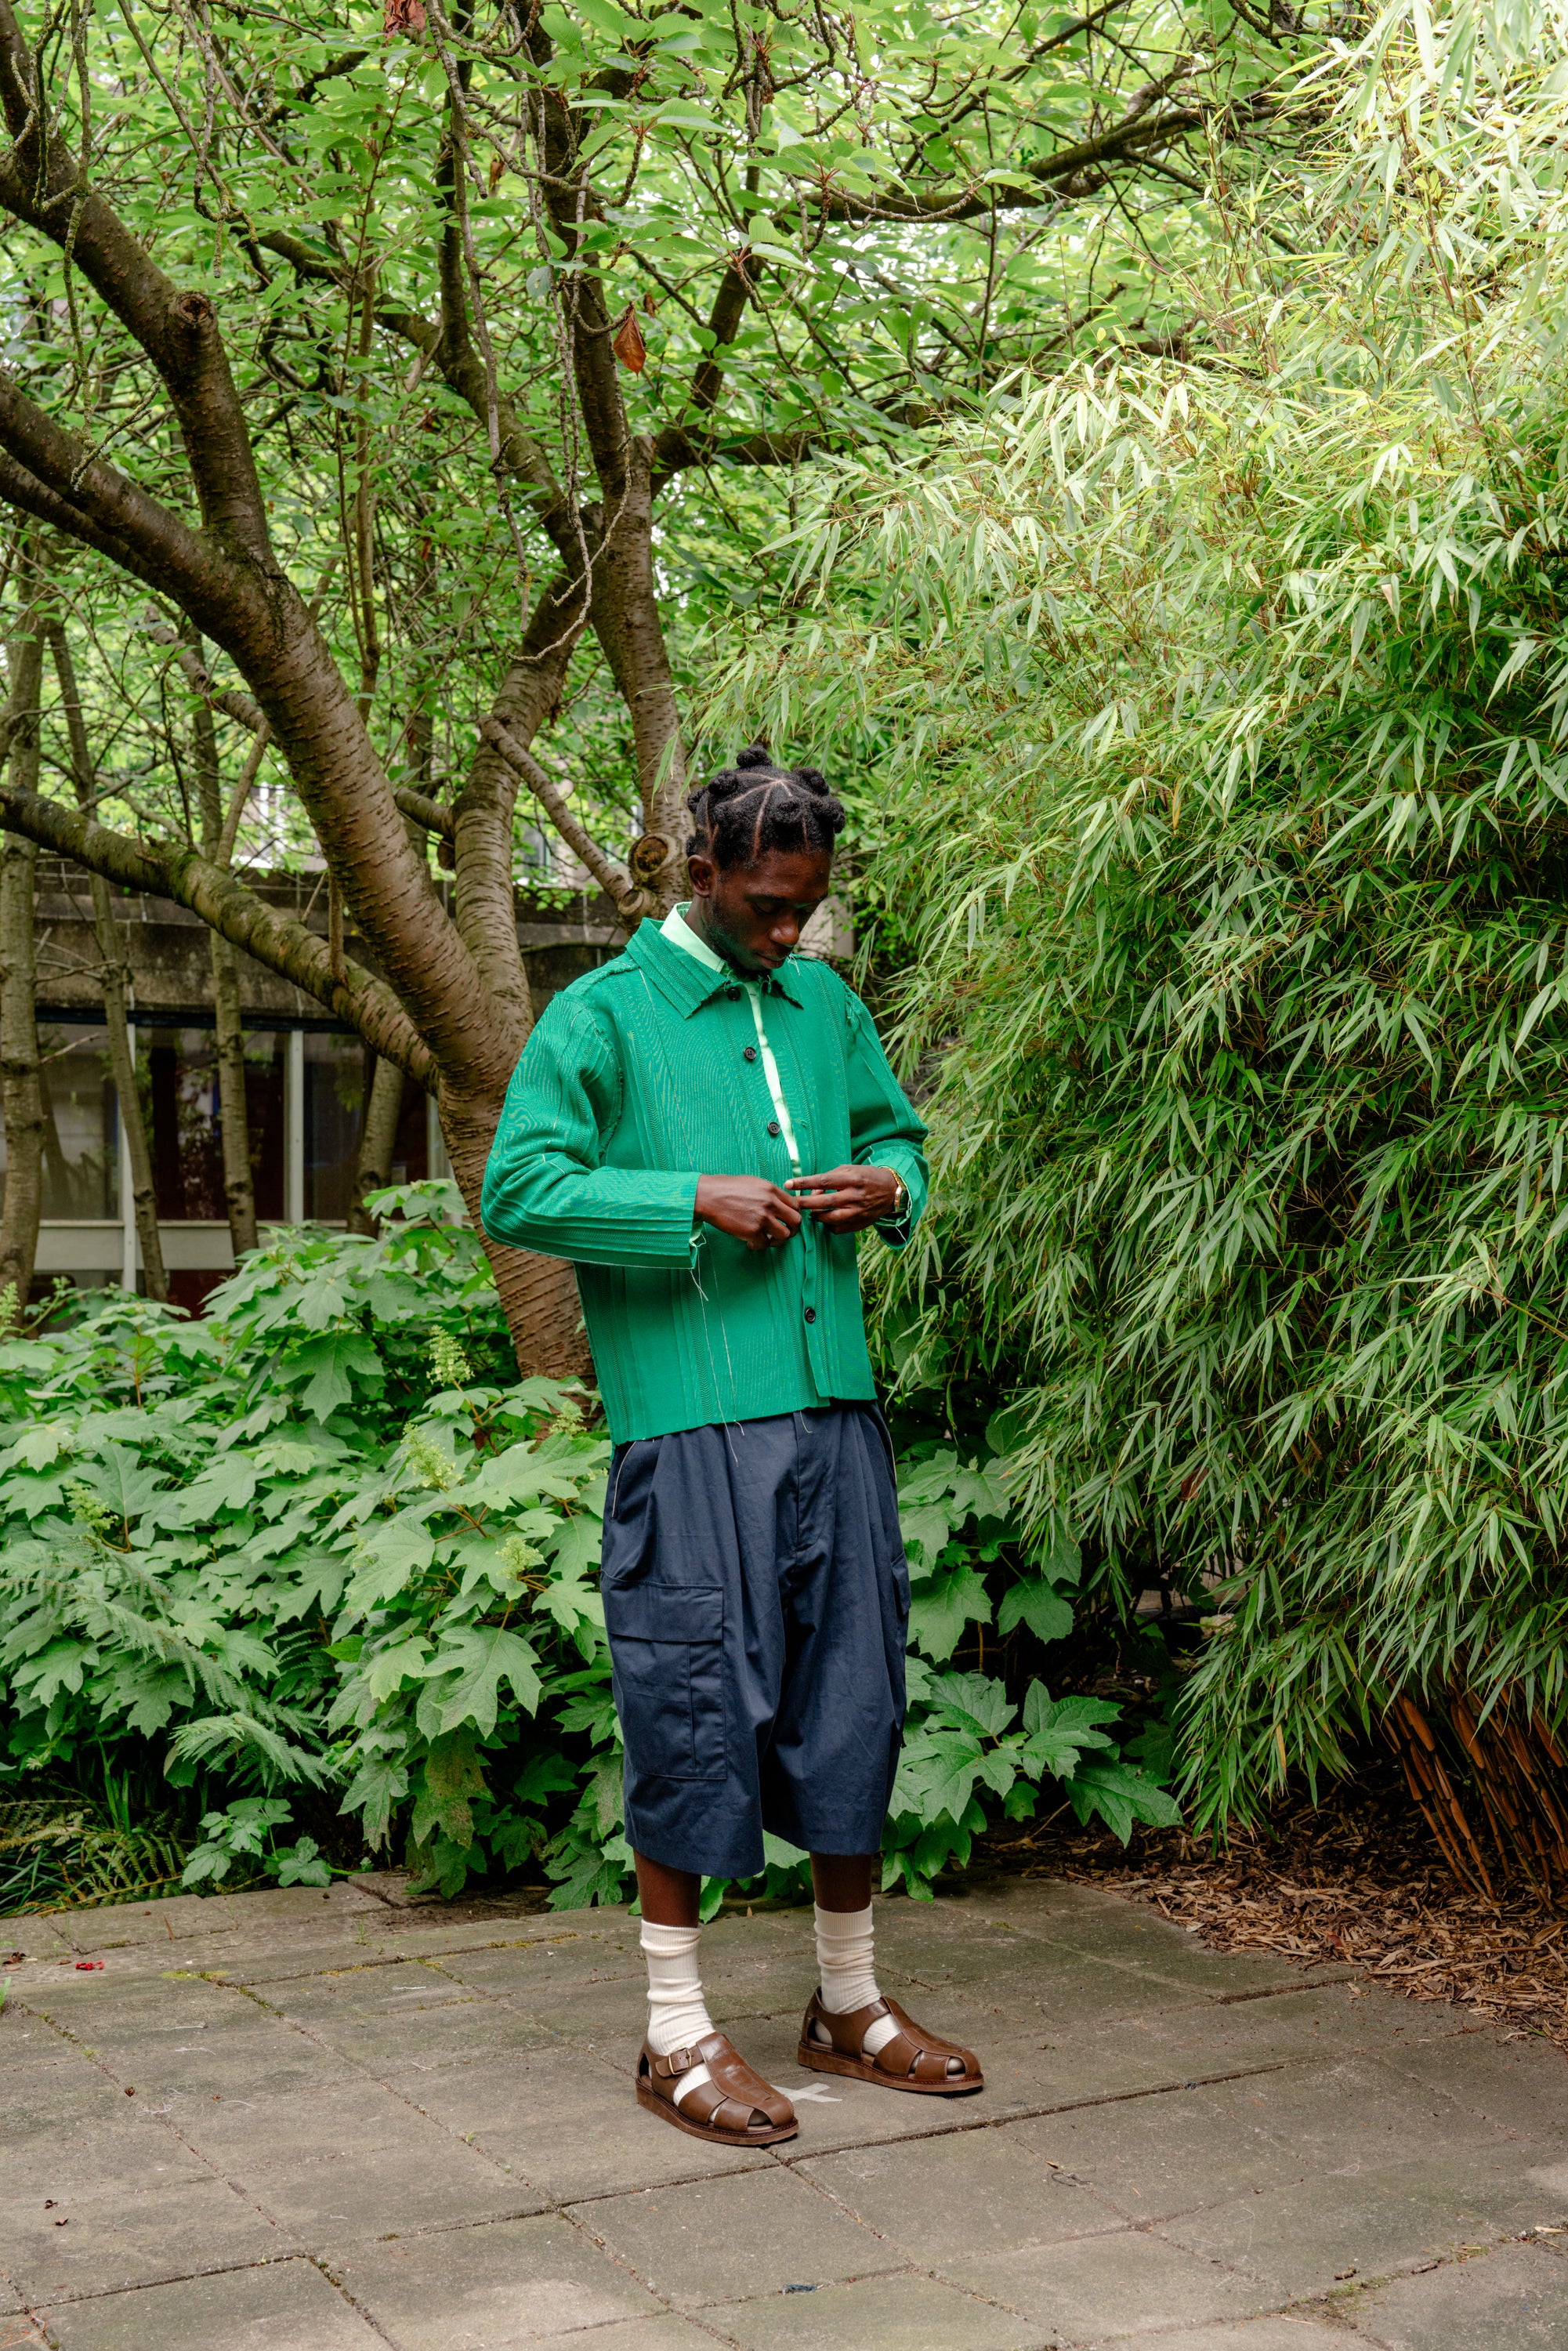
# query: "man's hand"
754 1210
848 1200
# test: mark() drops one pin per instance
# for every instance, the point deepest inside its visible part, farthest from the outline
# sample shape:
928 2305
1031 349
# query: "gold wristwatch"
900 1201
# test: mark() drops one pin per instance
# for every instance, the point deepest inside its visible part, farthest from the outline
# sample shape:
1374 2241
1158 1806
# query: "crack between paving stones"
35 2310
936 2276
235 1977
319 2263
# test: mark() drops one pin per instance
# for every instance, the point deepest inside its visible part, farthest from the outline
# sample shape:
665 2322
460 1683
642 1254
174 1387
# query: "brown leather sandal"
736 2107
912 2060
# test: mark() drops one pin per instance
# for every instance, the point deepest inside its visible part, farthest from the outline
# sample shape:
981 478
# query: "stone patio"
322 2122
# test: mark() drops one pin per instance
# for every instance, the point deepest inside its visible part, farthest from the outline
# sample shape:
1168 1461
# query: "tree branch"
42 183
229 700
451 349
55 475
612 877
274 939
1083 164
428 813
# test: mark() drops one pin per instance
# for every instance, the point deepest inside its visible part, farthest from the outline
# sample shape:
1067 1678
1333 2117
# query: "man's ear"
701 871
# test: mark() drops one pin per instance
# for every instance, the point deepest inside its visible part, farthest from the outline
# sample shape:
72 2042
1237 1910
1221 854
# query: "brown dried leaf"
628 345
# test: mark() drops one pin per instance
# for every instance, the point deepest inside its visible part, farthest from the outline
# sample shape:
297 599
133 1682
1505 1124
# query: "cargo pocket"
666 1645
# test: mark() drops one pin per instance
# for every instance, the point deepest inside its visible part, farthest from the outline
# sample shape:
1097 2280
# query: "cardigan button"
732 994
749 1054
810 1313
773 1126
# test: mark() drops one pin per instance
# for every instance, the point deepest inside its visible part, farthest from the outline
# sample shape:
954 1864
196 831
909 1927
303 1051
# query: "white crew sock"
677 2013
845 1942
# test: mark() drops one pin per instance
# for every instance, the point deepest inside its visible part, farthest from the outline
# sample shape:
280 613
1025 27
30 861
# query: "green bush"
1219 709
319 1542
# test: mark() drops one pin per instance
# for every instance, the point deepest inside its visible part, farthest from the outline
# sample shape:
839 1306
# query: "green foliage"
247 1832
1221 709
319 1540
871 172
377 1589
64 1851
965 1740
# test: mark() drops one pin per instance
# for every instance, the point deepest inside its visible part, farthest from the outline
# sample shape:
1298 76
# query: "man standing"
660 1130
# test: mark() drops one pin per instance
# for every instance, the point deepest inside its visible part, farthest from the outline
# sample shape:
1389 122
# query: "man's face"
753 914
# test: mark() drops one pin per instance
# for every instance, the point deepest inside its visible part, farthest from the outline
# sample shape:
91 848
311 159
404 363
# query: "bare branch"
612 877
284 945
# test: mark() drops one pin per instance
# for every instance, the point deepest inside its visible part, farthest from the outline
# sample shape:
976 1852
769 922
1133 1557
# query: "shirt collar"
679 932
690 979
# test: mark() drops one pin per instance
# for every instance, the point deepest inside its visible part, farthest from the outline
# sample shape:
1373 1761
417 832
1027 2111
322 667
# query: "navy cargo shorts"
757 1601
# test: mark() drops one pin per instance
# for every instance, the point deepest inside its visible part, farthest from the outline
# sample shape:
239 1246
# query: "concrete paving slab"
1120 1932
1284 2332
18 2334
121 2148
488 2288
129 2237
528 1973
285 2307
1159 2156
1198 2039
567 2125
1131 2283
47 2101
343 2165
1303 2240
1517 2082
253 2058
1512 2300
37 1938
1021 2074
669 2334
895 2313
968 2193
722 2240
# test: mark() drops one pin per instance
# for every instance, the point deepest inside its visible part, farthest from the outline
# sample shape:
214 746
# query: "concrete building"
306 1079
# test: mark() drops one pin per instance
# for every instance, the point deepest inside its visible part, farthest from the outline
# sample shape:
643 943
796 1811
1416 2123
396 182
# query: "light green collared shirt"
677 928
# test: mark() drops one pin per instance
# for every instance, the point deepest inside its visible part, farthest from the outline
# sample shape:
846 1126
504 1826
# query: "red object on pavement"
85 1964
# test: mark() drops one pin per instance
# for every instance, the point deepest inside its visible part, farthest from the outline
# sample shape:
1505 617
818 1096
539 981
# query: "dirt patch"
1354 1878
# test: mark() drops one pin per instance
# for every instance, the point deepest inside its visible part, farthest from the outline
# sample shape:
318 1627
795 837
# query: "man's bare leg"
670 1897
841 1881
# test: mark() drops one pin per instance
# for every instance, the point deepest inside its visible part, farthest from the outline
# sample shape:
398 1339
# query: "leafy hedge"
319 1546
1219 708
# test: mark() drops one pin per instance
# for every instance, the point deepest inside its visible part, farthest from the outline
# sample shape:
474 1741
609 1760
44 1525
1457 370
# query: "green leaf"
303 1865
936 1774
391 1554
1120 1796
479 1658
941 1608
977 1701
376 1790
451 1776
1032 1602
1058 1730
328 1366
123 1485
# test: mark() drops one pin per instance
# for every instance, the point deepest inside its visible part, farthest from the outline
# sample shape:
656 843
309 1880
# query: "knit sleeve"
545 1188
884 1130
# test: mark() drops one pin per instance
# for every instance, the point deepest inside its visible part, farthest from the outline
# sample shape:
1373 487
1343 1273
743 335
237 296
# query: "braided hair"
745 810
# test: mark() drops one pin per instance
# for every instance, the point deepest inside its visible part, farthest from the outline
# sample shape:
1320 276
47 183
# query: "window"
81 1125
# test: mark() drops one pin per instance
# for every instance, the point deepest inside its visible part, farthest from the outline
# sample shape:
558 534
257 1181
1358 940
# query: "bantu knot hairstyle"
745 810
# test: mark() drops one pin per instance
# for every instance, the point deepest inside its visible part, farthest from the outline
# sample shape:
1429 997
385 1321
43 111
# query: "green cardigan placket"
634 1083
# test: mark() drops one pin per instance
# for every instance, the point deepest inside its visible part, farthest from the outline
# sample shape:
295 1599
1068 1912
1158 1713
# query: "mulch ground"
1354 1878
